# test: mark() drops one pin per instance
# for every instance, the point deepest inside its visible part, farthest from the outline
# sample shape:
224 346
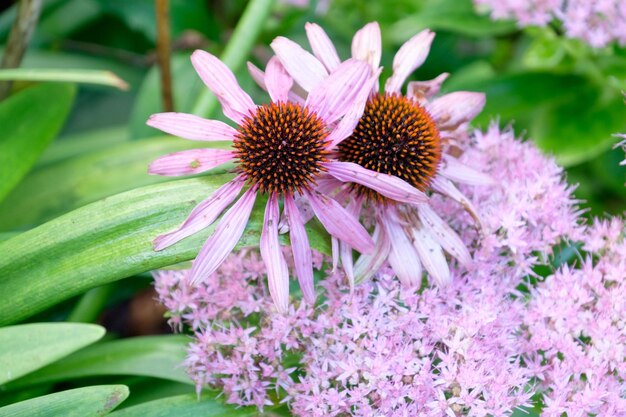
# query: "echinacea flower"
405 136
280 149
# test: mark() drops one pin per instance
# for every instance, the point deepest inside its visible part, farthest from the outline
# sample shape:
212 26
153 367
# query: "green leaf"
186 406
85 179
97 400
152 356
109 240
82 76
27 347
29 122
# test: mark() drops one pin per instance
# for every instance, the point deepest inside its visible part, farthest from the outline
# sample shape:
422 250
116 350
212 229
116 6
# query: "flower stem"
163 53
238 47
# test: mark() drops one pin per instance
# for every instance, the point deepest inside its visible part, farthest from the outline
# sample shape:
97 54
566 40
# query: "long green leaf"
109 240
153 356
186 406
82 76
27 347
30 119
98 400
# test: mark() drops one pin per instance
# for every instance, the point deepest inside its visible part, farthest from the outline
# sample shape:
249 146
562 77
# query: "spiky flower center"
281 147
394 136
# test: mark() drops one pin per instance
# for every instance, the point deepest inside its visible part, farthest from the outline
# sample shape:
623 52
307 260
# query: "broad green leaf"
150 389
85 179
94 401
27 347
29 122
152 356
109 240
186 406
81 76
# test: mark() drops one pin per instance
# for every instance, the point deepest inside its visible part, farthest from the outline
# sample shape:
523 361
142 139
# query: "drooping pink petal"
192 127
339 223
403 257
277 80
446 187
345 251
322 46
409 57
301 250
346 125
454 170
332 99
431 255
455 108
236 103
367 45
277 272
424 90
387 185
224 238
300 64
334 249
367 265
203 215
443 234
193 161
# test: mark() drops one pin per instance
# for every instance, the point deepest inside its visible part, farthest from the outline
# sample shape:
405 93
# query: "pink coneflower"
280 149
408 136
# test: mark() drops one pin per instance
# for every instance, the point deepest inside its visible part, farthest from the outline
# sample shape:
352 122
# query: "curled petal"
409 57
444 235
366 45
332 99
203 215
402 255
301 250
277 272
300 64
454 170
192 127
446 187
387 185
277 80
224 238
322 46
456 108
339 223
367 265
424 90
432 256
193 161
236 103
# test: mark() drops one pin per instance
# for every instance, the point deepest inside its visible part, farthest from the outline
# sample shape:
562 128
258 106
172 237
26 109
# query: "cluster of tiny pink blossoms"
385 349
597 22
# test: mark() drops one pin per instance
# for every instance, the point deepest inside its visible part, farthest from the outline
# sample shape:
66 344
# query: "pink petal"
278 82
444 235
432 256
454 170
368 265
345 251
424 90
402 255
346 126
387 185
224 238
455 108
409 57
367 45
277 272
193 161
192 127
339 223
203 215
322 46
236 103
301 249
257 75
334 249
300 64
446 187
332 99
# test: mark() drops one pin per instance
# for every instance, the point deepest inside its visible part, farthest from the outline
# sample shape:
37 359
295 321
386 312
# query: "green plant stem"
238 48
163 53
88 308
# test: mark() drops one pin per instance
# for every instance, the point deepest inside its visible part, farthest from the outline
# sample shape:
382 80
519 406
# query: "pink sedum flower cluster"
597 22
384 348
